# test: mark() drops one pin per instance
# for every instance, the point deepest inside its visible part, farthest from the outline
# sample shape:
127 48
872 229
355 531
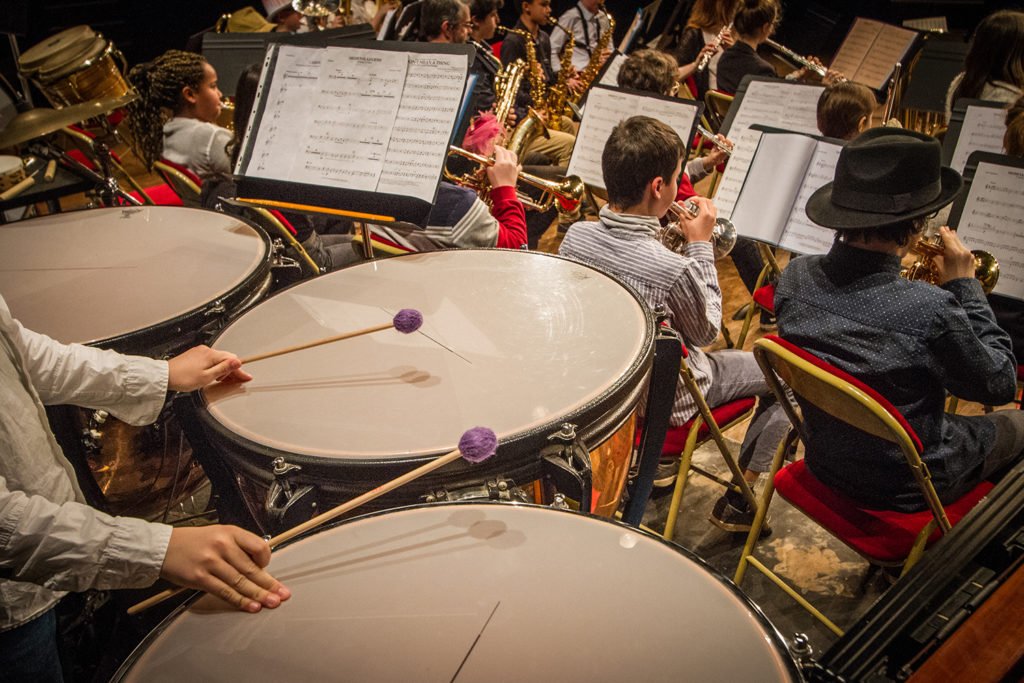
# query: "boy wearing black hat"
909 340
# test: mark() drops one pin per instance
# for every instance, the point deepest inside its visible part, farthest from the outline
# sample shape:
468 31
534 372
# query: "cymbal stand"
107 190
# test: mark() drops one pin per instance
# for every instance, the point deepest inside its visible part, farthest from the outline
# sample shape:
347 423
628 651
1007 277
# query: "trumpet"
986 267
706 57
710 137
802 61
567 192
723 235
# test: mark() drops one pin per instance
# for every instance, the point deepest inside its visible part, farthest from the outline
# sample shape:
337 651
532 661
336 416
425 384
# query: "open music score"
765 102
606 108
370 120
991 217
785 171
982 130
610 72
870 50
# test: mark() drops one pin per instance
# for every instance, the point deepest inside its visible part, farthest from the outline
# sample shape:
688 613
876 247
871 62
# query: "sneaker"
768 323
730 518
666 474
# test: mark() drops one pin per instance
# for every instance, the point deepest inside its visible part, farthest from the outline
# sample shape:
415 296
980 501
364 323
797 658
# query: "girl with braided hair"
174 116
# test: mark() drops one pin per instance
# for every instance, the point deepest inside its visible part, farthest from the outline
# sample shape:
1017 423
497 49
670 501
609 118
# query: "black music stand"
941 59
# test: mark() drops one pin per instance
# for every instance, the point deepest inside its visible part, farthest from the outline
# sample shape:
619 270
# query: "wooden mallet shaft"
323 517
318 342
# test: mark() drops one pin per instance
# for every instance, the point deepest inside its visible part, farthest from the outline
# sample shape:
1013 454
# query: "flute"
706 58
802 61
710 137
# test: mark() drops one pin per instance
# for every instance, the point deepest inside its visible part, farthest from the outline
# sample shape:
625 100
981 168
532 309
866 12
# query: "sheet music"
766 200
983 130
856 46
433 93
770 103
345 141
801 235
605 109
611 74
993 220
870 51
290 98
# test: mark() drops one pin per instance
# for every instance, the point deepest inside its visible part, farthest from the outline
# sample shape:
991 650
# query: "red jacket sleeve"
685 188
508 210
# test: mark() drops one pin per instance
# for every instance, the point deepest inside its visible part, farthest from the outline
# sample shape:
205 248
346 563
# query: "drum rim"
617 390
49 77
34 64
775 638
192 319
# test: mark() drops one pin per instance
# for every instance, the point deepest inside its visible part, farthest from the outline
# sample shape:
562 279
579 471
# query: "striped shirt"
686 285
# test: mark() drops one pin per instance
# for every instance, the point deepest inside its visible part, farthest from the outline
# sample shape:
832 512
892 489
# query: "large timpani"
141 280
520 342
477 592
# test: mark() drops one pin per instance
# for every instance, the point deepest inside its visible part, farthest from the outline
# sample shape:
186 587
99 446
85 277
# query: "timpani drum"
519 342
75 65
142 280
477 592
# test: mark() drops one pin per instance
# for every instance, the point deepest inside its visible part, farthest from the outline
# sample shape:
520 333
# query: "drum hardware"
566 464
558 502
283 495
40 121
504 490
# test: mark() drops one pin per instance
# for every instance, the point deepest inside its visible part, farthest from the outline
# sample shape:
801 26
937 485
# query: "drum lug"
283 495
500 489
92 435
566 462
802 652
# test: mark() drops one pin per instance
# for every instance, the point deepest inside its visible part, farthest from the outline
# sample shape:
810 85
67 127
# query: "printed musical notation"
790 106
871 50
605 109
358 119
983 130
993 220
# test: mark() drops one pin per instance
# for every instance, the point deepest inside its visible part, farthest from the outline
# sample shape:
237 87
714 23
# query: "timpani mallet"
406 321
476 445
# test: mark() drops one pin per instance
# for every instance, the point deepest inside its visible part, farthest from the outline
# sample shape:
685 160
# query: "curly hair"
160 84
649 71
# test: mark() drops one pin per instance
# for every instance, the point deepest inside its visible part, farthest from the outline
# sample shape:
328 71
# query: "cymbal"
37 122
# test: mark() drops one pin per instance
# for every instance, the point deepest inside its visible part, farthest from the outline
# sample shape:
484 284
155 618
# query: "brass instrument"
820 70
706 58
593 67
320 12
892 97
567 191
986 267
723 235
506 88
710 137
538 88
558 93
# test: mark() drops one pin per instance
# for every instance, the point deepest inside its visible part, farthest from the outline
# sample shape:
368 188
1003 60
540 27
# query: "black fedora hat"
884 176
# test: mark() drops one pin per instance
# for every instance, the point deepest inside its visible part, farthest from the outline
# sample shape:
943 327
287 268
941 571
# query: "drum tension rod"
566 462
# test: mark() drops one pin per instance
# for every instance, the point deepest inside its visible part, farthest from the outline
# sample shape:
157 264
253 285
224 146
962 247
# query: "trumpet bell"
316 8
986 270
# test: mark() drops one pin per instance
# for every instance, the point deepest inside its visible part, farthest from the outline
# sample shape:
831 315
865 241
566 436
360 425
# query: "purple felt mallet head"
408 320
478 444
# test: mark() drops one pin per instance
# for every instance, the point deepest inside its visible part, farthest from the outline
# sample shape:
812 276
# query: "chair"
184 182
882 537
276 224
718 106
764 295
84 152
706 426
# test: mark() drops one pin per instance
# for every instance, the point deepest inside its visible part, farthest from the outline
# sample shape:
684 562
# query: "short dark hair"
898 233
753 14
479 9
1013 141
841 107
434 13
649 71
639 150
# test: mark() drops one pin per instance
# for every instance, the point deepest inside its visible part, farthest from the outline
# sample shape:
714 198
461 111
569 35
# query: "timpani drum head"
131 279
57 49
477 592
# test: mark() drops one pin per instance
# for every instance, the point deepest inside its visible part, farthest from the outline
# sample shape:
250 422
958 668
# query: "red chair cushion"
284 221
496 47
162 195
80 157
882 401
1020 373
765 298
880 535
181 169
675 438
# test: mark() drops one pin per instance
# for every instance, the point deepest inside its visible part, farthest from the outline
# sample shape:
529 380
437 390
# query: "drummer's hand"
956 260
201 365
224 561
506 168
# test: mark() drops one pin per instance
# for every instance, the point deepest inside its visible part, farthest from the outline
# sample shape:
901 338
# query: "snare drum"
76 65
477 592
147 280
12 172
520 342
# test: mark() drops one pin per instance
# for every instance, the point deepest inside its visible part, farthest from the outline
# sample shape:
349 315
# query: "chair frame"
178 179
847 402
718 104
771 270
704 416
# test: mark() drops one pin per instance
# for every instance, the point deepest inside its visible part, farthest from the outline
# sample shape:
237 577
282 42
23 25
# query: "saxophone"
506 87
558 94
538 88
593 67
